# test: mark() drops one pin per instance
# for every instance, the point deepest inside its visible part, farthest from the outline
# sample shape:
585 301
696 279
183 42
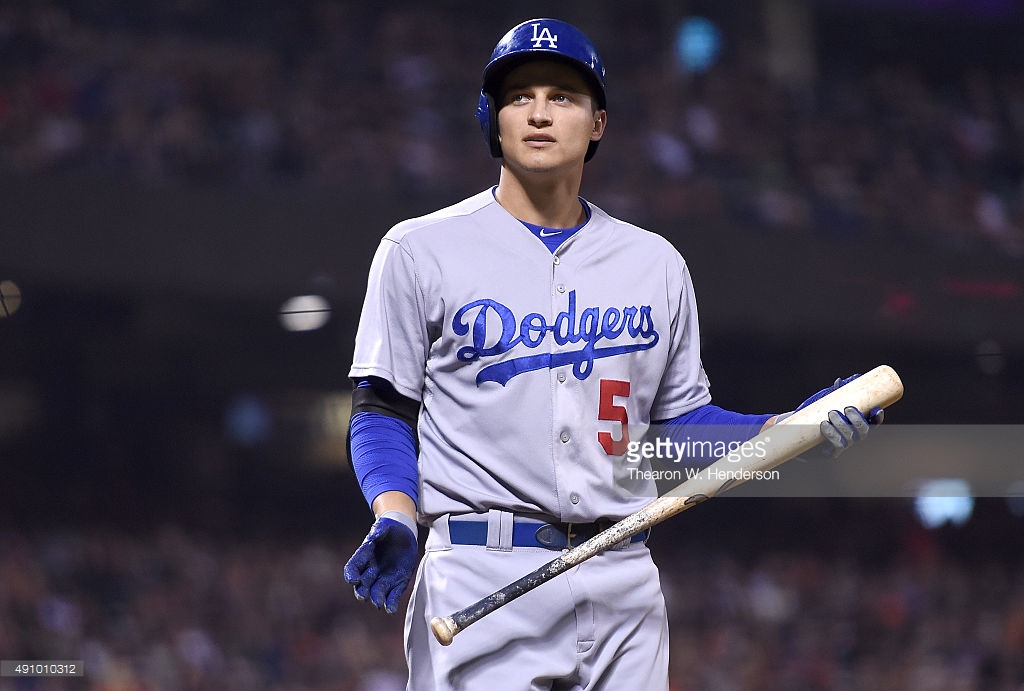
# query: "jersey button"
557 260
564 436
561 377
561 287
574 498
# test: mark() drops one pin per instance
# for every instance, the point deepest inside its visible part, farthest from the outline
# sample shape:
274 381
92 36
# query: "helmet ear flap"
487 115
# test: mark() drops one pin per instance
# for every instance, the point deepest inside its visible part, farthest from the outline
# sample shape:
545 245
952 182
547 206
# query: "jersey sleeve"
684 385
392 340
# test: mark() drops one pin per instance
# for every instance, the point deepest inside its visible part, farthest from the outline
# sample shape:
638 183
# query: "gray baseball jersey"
530 367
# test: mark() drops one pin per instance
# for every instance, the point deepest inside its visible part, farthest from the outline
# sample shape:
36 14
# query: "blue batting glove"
382 566
843 428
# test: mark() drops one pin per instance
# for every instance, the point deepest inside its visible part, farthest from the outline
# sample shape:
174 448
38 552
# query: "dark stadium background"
175 503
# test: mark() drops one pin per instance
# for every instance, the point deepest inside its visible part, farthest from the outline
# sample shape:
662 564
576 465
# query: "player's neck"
553 203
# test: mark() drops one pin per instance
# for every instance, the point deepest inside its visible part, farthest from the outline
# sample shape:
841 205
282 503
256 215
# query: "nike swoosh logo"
545 233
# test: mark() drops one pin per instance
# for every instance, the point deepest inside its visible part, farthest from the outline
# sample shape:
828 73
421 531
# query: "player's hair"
531 40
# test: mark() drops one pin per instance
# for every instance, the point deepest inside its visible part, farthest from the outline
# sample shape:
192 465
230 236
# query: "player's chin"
542 161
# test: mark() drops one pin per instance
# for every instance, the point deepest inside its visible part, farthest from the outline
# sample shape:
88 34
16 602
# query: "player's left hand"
380 569
842 428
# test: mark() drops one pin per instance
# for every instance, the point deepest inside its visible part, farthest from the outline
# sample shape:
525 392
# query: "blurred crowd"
174 609
378 101
169 610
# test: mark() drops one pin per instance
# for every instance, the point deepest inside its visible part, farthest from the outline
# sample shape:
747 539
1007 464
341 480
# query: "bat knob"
444 629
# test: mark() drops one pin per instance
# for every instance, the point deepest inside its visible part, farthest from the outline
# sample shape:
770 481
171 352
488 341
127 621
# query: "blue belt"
547 535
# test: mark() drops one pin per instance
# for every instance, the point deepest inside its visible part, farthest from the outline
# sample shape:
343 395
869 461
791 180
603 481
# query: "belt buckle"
548 535
569 535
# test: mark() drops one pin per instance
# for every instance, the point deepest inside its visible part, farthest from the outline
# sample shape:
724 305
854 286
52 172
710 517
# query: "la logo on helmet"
544 35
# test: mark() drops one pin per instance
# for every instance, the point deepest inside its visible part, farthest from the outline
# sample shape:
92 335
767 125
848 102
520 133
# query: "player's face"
547 117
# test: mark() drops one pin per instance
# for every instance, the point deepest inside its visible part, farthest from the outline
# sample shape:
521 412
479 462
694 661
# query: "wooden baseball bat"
879 388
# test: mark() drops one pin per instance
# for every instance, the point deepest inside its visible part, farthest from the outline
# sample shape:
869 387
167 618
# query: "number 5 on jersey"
608 410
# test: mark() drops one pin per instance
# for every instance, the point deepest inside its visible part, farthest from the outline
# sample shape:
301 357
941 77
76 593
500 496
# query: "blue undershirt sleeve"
714 428
384 455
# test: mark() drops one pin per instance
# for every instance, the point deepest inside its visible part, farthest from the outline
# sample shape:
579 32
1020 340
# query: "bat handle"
444 629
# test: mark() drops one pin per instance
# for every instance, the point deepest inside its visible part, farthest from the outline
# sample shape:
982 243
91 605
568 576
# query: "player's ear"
600 121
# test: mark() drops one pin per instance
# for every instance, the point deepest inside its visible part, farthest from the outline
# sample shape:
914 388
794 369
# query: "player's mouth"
539 140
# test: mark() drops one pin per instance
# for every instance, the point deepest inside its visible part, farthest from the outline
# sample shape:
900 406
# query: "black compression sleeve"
378 396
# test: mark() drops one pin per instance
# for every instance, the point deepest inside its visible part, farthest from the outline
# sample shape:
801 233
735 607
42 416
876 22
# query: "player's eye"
567 97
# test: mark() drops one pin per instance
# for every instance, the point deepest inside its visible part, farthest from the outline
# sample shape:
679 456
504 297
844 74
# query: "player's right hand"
382 566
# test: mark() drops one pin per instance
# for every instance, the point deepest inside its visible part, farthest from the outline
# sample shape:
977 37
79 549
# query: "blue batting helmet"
533 39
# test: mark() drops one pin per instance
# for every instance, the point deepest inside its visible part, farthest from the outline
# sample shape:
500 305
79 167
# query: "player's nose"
540 113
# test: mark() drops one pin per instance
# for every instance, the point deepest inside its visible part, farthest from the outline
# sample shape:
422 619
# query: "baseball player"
506 346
